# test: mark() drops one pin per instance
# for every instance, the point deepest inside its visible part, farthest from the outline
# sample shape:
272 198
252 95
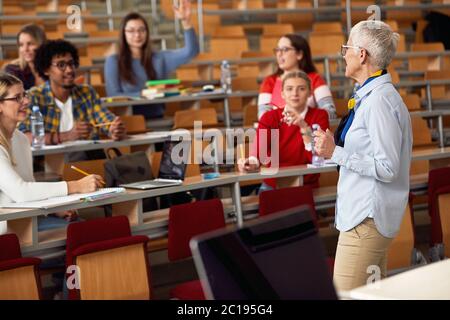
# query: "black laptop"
172 168
279 256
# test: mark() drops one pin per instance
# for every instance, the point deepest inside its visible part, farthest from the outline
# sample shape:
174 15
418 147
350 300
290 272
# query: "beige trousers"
360 256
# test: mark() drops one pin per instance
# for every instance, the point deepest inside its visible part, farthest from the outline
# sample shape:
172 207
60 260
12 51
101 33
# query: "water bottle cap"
35 108
315 126
224 61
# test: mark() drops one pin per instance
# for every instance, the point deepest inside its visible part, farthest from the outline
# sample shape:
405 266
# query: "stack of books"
161 88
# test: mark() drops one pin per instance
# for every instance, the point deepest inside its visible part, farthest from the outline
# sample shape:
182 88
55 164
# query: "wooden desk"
23 222
429 282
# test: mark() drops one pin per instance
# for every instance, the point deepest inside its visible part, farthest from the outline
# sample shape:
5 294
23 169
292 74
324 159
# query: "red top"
272 86
290 146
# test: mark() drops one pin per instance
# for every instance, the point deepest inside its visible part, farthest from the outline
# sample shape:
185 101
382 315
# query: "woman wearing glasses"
17 182
29 38
293 54
373 147
127 72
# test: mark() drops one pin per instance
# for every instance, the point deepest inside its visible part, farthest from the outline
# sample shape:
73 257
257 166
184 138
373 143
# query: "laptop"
279 256
171 169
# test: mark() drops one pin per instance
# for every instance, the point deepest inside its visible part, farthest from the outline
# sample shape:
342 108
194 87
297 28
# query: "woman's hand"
293 117
324 143
183 12
250 164
87 184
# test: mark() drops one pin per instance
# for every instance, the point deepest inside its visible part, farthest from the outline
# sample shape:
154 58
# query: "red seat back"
189 220
286 198
96 230
9 247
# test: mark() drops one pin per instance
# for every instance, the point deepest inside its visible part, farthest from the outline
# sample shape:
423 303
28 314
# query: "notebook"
171 173
73 198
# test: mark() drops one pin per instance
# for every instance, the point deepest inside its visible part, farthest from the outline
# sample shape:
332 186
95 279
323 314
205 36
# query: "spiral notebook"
73 198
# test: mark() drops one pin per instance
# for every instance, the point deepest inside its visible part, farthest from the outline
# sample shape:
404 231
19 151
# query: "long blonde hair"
6 82
37 33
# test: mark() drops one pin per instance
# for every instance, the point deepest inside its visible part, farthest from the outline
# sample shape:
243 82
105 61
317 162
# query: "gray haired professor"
372 146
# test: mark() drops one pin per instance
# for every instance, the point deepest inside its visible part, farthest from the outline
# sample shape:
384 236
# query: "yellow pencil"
241 151
102 124
83 172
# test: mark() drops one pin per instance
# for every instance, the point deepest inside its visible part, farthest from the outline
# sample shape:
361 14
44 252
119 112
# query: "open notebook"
73 198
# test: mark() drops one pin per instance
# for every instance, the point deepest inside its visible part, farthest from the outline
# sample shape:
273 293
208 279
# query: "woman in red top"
294 123
293 54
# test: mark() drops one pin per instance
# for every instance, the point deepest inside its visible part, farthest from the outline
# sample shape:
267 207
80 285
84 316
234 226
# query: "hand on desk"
117 129
250 164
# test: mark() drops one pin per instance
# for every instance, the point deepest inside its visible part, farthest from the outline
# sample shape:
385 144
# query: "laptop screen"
174 159
276 257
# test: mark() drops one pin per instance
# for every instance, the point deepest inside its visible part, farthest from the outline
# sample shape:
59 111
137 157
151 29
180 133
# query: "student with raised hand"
294 54
127 72
17 181
29 38
293 122
70 111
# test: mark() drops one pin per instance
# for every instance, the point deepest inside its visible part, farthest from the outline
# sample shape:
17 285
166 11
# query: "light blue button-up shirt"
375 160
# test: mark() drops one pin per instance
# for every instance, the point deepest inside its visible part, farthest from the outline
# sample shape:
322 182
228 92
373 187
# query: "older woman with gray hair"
372 147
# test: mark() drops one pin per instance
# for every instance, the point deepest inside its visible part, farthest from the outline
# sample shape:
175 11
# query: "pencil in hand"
84 172
102 124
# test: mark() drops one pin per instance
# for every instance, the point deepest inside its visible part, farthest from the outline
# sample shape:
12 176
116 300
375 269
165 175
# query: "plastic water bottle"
37 128
316 160
225 77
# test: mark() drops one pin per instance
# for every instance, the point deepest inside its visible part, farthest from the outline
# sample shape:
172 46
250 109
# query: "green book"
163 81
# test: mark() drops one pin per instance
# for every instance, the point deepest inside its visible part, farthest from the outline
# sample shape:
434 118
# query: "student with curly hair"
70 110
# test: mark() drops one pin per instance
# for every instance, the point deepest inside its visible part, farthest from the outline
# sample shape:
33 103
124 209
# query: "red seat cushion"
191 290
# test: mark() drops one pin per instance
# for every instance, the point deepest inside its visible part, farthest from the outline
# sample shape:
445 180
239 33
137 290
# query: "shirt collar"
303 114
74 94
365 90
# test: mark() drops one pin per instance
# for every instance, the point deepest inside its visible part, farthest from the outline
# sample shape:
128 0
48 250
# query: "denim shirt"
375 160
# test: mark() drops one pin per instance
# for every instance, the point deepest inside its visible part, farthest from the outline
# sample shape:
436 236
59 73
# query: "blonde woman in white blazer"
17 183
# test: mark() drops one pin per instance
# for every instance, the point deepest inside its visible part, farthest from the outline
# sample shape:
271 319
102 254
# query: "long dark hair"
301 45
125 58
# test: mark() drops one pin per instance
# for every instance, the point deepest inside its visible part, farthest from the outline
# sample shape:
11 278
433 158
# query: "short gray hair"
378 39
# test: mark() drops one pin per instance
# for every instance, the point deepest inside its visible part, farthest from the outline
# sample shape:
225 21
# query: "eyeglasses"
62 65
133 31
344 49
282 50
18 98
